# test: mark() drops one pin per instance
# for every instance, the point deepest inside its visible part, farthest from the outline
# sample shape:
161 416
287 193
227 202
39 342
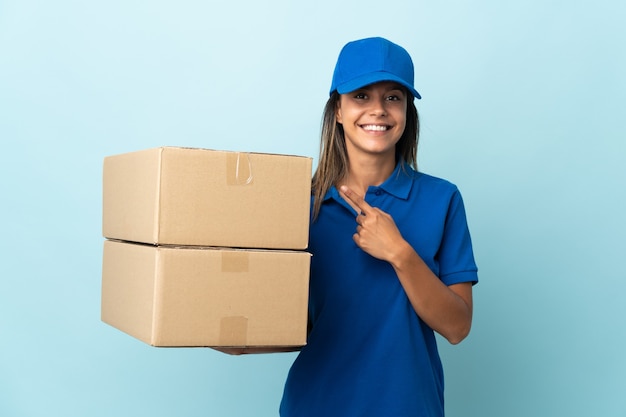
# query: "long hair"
333 161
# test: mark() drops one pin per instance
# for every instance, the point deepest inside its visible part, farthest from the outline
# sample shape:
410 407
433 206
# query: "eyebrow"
399 88
392 87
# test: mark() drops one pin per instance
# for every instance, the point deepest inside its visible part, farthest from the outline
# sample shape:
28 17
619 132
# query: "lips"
375 128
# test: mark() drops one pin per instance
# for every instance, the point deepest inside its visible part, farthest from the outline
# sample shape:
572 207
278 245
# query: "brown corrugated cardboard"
185 196
214 297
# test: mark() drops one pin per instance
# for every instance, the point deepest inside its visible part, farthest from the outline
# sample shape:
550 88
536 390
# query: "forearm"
447 310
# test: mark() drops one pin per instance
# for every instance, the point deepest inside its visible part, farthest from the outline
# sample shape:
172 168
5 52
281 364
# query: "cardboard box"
206 297
184 196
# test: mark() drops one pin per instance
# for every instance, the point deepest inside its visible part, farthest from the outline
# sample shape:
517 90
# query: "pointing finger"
355 200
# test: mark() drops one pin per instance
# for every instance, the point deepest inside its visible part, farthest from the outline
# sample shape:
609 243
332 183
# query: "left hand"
446 309
376 232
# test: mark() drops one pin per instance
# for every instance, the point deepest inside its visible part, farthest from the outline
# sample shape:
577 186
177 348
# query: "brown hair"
333 161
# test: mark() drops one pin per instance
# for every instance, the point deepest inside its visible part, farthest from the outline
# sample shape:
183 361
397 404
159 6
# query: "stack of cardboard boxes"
207 248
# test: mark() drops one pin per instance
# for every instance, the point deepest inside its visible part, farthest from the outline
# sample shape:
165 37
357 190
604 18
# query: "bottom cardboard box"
252 301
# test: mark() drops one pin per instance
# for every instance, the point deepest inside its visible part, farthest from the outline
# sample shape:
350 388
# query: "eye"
395 96
360 96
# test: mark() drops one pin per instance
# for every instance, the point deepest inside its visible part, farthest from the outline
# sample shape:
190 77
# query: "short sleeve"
456 255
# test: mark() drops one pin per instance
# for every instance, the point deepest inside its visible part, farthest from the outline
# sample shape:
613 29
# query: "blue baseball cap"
371 60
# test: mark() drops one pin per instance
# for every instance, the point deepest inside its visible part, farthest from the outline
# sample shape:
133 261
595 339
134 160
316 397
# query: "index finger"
356 201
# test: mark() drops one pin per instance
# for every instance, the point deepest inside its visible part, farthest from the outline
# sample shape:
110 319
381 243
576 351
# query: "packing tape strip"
235 261
238 168
234 331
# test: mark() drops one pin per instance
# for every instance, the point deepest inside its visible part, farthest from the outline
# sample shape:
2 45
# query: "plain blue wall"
523 107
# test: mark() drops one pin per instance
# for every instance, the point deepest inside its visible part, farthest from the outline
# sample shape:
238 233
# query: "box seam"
155 298
156 227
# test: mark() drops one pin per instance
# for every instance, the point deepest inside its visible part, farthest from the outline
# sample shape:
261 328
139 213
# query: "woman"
392 256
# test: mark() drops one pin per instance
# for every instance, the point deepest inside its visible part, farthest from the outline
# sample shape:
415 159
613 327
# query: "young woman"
392 256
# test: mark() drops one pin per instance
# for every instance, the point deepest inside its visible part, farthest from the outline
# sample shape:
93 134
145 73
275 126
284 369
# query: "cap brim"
373 78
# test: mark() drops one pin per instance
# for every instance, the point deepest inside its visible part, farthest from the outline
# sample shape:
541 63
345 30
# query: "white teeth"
375 127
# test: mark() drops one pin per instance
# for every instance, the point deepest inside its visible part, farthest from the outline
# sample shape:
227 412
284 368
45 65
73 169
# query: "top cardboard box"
186 196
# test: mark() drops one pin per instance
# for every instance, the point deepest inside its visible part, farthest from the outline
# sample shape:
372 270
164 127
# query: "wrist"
402 256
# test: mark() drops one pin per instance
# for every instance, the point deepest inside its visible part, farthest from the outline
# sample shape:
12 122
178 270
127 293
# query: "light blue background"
523 108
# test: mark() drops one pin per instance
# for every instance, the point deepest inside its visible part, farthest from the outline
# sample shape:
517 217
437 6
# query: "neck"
364 173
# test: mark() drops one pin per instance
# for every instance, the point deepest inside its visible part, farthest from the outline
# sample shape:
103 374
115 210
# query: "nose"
378 107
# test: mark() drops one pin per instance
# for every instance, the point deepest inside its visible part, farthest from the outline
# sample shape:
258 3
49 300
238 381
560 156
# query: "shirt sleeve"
455 255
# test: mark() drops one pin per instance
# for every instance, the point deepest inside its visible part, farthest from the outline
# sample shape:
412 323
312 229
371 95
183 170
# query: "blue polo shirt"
368 353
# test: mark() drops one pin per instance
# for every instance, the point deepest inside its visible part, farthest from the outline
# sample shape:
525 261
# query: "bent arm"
446 309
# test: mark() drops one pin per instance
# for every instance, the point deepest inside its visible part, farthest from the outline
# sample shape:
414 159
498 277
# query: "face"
373 119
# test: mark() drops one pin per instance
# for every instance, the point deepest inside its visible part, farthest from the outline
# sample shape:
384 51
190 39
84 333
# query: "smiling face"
373 119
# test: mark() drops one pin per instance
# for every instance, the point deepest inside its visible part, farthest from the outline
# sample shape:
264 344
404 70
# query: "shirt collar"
398 184
400 181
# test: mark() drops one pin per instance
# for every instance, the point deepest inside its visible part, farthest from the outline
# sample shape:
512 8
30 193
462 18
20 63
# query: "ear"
338 117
